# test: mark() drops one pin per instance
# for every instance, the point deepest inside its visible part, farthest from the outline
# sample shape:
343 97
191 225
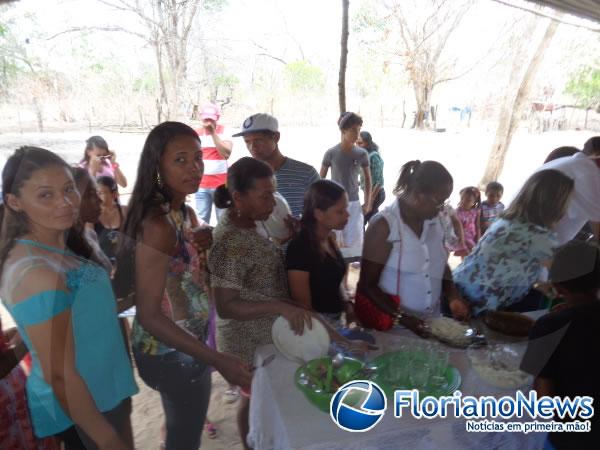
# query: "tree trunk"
515 101
343 57
38 114
162 101
403 113
20 122
422 96
159 113
587 112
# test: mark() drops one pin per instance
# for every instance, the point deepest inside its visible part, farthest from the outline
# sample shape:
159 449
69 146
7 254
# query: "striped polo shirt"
293 179
215 166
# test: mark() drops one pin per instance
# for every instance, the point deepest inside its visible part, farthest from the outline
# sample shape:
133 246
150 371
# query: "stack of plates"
312 344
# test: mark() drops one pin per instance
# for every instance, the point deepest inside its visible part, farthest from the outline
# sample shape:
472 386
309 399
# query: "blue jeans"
184 387
75 438
204 203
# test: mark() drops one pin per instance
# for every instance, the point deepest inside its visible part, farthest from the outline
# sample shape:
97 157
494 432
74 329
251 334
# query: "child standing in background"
453 231
469 215
492 206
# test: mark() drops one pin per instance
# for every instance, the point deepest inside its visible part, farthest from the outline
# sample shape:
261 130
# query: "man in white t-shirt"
584 205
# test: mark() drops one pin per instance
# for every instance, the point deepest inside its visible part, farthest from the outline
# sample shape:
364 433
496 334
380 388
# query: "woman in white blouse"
404 265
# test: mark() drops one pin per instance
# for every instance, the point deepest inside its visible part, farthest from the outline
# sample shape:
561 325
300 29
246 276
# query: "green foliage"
369 20
96 67
584 86
146 81
304 77
225 80
213 6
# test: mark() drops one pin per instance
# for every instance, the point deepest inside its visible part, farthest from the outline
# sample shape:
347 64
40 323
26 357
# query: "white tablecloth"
282 418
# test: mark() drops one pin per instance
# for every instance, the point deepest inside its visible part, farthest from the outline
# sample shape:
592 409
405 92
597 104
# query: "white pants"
350 239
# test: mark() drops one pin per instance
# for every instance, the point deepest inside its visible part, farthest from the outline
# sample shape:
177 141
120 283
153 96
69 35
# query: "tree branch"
136 9
11 54
188 26
272 57
94 28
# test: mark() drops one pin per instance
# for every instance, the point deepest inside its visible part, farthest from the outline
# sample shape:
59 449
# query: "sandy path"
148 417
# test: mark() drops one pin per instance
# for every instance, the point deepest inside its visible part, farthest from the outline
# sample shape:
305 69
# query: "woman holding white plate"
247 274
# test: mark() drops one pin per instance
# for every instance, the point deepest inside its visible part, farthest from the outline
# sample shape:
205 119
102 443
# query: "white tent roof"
590 9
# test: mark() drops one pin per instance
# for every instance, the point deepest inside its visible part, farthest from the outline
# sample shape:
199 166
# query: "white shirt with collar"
584 204
415 267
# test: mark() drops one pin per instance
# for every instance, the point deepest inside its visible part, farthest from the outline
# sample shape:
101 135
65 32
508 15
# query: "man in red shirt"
216 150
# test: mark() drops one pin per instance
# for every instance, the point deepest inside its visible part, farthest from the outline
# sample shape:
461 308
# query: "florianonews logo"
358 406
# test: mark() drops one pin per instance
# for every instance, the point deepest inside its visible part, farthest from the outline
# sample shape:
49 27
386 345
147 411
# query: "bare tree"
32 79
167 26
425 28
517 94
343 56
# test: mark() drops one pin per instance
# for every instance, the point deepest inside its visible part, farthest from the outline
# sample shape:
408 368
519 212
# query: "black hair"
576 267
267 133
148 194
424 177
561 152
368 139
592 146
112 185
474 192
79 174
241 177
19 168
349 119
494 186
83 179
91 143
322 195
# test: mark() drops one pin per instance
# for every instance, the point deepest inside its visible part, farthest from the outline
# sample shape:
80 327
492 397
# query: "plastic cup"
439 365
419 375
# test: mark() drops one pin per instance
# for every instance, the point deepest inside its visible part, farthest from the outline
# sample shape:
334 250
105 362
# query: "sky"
293 30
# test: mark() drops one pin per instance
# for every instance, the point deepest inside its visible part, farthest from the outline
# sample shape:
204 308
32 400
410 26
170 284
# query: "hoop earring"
159 180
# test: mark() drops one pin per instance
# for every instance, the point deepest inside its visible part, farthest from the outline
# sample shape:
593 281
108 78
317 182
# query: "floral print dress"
468 219
185 300
505 264
16 430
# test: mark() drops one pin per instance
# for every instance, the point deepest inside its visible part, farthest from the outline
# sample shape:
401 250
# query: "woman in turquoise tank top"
62 302
160 259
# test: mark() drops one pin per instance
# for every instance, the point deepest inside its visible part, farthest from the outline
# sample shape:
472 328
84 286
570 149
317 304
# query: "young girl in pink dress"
469 215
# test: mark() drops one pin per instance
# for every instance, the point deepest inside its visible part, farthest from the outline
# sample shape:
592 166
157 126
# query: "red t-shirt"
215 166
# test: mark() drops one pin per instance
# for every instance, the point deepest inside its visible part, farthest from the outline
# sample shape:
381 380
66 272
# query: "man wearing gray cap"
261 135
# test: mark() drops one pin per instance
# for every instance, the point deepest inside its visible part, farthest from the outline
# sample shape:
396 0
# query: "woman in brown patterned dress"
247 272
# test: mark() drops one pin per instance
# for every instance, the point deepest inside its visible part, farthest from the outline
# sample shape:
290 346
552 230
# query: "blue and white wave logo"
358 406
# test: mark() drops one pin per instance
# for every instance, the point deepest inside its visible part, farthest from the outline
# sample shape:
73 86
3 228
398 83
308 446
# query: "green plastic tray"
322 399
